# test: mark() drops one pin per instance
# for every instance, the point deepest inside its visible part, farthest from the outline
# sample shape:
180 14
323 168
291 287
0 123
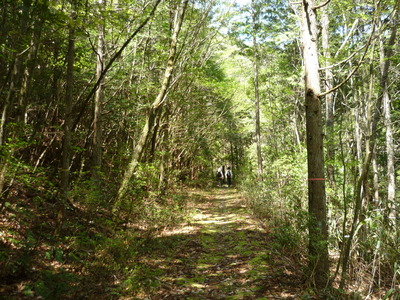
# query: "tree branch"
116 55
321 5
344 60
358 65
353 28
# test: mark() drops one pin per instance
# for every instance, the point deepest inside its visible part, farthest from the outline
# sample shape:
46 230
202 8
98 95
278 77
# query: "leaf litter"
221 252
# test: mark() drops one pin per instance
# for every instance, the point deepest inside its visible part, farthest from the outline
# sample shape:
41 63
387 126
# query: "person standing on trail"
229 175
220 176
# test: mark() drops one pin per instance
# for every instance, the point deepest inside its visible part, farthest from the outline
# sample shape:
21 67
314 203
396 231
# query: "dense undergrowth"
279 201
94 253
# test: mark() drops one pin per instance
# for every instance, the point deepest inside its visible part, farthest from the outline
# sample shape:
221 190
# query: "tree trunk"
28 72
386 54
364 162
165 157
66 146
5 111
370 148
110 63
329 100
256 92
157 104
98 102
318 228
375 172
154 137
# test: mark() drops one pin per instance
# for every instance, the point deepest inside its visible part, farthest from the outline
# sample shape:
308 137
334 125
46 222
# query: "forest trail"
220 253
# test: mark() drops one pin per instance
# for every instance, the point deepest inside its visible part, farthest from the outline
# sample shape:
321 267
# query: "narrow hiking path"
220 253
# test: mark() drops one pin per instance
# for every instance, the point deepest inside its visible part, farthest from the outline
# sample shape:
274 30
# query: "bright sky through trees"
242 2
116 115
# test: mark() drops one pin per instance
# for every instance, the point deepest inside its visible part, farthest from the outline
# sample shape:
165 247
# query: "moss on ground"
221 253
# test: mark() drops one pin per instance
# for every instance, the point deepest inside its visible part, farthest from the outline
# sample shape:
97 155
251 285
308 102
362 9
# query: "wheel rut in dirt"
220 253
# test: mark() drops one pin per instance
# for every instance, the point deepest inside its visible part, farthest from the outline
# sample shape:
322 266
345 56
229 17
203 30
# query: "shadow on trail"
221 253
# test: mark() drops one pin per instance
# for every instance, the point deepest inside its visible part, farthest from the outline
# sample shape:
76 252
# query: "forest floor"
202 244
217 250
221 252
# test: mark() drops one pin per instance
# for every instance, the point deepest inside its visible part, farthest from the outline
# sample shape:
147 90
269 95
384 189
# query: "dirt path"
221 253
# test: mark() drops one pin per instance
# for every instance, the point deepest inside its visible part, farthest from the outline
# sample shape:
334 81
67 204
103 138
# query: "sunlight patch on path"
220 253
225 243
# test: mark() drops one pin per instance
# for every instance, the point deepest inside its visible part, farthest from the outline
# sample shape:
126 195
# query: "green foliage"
207 120
119 250
16 263
88 192
141 278
393 293
54 285
120 255
279 201
287 238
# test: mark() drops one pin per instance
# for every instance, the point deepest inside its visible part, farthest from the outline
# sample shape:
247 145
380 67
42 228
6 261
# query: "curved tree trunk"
157 104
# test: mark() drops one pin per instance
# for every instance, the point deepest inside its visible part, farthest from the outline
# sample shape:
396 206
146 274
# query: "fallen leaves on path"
220 253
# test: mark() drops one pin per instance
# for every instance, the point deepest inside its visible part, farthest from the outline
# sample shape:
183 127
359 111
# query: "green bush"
141 278
52 285
279 200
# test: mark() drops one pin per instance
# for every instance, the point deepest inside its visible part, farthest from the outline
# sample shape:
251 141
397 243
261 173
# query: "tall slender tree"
67 128
386 52
256 88
157 105
98 103
329 98
318 228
